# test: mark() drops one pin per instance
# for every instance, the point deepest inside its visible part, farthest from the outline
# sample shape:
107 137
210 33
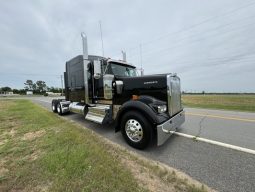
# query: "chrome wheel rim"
134 130
58 108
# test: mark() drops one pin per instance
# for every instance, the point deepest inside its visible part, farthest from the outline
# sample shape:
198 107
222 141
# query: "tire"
59 109
54 107
136 130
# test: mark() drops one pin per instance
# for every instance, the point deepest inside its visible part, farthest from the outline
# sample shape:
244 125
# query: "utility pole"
100 25
61 76
141 57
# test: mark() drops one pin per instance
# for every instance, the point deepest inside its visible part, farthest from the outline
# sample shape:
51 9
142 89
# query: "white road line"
237 148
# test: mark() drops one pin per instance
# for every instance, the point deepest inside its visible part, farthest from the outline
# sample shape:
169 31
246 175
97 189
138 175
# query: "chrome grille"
173 94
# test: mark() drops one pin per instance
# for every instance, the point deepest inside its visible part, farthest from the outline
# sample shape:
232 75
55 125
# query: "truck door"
90 80
98 82
103 87
98 89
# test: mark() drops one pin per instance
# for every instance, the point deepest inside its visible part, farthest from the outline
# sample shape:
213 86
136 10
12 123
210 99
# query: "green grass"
41 152
227 102
45 152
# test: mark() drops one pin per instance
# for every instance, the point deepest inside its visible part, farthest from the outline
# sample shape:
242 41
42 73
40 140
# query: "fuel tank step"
100 114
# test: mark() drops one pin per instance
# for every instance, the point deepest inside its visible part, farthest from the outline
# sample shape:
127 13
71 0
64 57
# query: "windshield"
122 70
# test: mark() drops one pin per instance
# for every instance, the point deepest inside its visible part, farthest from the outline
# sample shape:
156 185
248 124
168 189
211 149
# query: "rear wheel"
136 129
54 107
59 109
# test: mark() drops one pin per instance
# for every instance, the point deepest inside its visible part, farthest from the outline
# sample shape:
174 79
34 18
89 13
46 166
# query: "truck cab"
108 91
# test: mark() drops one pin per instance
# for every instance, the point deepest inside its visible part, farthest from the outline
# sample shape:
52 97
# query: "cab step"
100 114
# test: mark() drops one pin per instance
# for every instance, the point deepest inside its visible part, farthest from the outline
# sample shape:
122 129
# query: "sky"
209 44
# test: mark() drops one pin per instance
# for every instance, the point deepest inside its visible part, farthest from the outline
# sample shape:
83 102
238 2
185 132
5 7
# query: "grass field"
41 152
227 102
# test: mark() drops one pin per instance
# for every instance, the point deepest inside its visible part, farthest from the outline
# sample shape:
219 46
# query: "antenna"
141 57
100 25
61 76
124 56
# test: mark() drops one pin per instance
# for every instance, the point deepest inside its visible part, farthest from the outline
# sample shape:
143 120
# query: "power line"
186 66
202 22
163 51
201 39
196 24
244 58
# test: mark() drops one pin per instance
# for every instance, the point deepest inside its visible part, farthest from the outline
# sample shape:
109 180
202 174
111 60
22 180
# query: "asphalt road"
220 168
236 128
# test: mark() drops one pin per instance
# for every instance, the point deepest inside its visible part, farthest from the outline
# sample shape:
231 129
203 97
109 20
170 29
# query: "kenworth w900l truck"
110 91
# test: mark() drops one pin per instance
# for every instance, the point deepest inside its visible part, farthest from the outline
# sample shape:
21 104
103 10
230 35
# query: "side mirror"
97 69
119 87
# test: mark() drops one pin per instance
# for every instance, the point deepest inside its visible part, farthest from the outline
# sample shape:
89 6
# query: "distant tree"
54 89
16 91
203 92
6 89
29 85
34 87
22 92
41 86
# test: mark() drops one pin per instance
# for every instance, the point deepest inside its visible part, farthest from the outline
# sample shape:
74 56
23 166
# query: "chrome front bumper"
165 129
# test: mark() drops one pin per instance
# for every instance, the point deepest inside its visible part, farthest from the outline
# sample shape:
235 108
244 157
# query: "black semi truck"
110 91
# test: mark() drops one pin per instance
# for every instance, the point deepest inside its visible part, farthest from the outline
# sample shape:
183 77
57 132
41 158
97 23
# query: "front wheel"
136 129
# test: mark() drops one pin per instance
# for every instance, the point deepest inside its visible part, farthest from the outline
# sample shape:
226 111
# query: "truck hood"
151 85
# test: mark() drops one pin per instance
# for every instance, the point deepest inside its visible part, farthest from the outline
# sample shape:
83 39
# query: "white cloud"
37 37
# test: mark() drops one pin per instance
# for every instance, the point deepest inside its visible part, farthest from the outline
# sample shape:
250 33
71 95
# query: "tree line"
38 87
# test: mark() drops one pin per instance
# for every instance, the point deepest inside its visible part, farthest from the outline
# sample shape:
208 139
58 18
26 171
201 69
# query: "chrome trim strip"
168 83
85 67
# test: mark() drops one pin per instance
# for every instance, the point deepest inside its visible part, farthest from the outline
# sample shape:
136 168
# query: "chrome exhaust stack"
84 46
85 63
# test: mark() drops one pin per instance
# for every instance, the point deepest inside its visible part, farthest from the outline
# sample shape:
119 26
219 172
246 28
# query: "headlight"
162 108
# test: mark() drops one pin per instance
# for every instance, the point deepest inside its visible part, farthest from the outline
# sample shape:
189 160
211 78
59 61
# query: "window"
121 70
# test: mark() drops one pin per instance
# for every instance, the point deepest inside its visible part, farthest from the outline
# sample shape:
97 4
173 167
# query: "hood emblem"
150 82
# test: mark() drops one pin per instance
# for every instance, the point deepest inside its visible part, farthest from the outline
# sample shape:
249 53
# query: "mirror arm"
106 68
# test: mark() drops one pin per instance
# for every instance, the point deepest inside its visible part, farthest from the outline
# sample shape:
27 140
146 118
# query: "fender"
140 106
56 101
